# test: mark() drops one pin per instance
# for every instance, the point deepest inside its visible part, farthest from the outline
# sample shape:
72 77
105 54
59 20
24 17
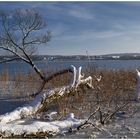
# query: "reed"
116 87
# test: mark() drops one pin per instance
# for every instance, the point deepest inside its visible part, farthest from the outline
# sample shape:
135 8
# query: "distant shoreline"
123 56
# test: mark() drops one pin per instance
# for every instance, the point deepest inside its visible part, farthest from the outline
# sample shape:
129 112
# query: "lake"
57 65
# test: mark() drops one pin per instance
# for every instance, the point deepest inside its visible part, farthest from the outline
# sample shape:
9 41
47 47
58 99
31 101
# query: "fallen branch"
87 120
16 123
49 78
41 101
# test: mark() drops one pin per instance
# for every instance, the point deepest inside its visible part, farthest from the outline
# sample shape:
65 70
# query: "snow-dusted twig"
81 81
87 122
98 78
109 116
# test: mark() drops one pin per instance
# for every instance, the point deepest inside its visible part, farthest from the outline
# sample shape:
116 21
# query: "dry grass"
115 88
18 84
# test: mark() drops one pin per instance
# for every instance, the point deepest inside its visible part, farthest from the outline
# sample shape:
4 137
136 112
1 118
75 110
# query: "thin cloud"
91 34
81 12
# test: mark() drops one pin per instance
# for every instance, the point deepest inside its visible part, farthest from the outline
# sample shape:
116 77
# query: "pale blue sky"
98 27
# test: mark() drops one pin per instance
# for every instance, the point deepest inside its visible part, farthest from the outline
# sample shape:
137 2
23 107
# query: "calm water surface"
56 65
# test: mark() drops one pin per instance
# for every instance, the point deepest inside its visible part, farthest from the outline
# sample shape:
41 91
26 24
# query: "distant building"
44 58
116 57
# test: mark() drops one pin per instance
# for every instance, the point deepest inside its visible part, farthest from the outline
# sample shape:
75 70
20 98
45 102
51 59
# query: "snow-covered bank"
29 127
15 123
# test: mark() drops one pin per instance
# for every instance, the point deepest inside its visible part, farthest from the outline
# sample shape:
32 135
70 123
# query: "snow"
27 110
74 77
50 116
138 84
33 127
22 112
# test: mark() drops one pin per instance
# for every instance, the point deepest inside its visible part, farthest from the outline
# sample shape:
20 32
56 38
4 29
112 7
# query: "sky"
95 27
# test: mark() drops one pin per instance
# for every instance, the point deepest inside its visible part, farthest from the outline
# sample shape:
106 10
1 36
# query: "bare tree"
22 31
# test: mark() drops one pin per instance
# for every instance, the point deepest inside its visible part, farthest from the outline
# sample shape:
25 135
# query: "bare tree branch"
9 60
108 117
18 55
18 30
51 77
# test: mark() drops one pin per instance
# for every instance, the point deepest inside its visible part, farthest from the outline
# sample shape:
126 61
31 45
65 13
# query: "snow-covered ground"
124 125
